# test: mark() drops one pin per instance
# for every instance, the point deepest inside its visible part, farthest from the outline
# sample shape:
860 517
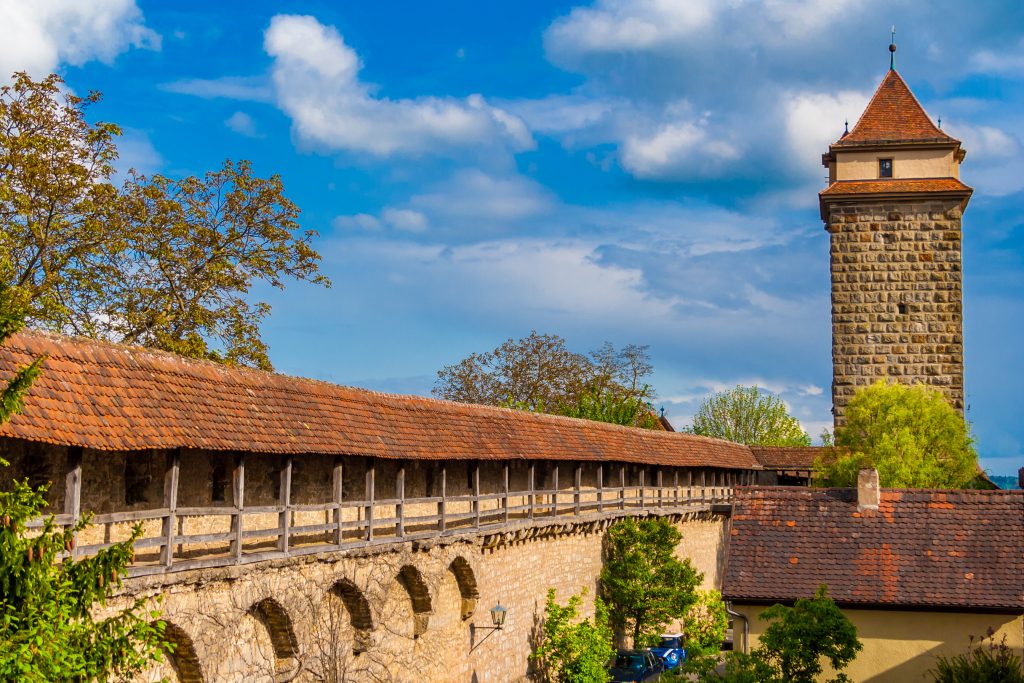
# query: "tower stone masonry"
893 210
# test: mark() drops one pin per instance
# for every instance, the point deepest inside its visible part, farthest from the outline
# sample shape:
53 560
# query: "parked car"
670 649
635 666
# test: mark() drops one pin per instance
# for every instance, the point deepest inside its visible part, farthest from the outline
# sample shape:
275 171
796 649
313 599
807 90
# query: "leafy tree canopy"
910 434
750 416
571 650
539 373
155 261
793 646
48 628
704 624
644 584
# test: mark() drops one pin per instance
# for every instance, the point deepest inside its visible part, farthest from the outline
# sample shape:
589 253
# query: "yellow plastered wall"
902 646
910 163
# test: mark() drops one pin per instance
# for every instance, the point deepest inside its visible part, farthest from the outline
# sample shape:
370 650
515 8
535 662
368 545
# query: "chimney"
867 490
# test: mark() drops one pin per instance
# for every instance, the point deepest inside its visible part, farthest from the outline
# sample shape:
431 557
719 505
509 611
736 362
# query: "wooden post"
529 485
238 499
554 496
703 486
689 486
600 487
171 473
73 488
675 485
643 482
579 489
476 494
622 487
371 476
504 494
284 499
337 493
442 510
400 506
661 489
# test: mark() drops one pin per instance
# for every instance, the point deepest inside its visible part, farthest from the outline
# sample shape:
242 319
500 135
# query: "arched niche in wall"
468 590
358 610
275 619
410 578
181 656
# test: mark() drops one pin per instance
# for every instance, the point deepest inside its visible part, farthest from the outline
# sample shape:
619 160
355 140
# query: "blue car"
635 666
670 650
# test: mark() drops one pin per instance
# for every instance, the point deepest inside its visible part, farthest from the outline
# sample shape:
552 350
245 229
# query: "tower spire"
892 50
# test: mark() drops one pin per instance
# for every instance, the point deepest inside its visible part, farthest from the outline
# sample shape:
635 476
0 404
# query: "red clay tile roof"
893 115
895 186
921 548
112 397
788 457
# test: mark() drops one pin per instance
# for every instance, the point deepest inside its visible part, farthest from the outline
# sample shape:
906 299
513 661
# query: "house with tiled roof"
917 571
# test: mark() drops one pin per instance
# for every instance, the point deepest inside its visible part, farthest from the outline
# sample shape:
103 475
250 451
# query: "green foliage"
983 662
615 407
705 624
572 650
642 581
538 373
48 628
910 434
749 416
159 262
793 645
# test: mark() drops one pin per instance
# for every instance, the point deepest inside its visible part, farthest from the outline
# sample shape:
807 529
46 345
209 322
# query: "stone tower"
893 209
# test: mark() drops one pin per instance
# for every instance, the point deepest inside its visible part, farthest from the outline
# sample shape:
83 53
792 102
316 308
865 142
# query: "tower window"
902 308
885 168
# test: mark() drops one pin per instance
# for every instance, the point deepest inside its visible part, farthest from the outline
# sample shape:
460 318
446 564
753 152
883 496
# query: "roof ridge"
894 114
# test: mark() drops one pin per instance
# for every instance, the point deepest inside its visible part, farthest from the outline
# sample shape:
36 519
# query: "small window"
219 484
885 168
902 308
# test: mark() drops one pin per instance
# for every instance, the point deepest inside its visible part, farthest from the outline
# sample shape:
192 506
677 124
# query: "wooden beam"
442 508
554 496
337 494
703 485
661 489
284 499
238 500
689 486
622 487
371 476
643 482
73 488
476 494
675 485
600 487
579 489
504 493
530 488
171 475
400 506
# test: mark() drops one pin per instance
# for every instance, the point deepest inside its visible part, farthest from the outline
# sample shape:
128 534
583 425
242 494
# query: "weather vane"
892 50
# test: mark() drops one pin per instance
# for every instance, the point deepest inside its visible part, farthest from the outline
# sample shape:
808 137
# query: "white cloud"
243 124
40 35
476 195
359 221
984 142
404 219
316 82
245 88
814 120
1004 62
675 150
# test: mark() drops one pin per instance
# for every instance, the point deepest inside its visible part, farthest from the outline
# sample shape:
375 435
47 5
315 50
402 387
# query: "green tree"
984 661
794 644
539 373
571 650
704 625
48 627
749 416
159 262
910 434
643 583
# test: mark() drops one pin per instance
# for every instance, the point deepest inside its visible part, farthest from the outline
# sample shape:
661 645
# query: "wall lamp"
498 614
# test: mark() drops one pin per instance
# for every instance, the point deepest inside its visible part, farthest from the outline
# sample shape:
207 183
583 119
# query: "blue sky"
638 172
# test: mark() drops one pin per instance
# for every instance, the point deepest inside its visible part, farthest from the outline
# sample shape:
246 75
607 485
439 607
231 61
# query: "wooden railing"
181 538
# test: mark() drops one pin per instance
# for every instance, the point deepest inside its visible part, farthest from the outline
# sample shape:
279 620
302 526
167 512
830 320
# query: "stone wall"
394 613
896 297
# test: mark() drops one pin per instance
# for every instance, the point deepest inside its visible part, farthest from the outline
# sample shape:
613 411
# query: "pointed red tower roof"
892 116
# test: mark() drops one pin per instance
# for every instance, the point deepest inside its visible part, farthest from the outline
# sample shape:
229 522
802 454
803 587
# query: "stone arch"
359 614
275 619
181 656
410 578
466 579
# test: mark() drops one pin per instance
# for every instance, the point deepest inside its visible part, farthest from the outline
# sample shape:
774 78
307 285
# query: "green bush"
984 662
573 650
